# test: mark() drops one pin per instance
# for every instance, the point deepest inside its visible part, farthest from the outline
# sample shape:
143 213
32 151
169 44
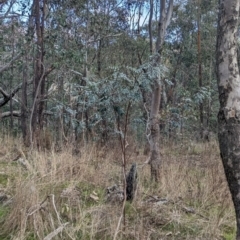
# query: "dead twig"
37 207
55 209
56 232
124 144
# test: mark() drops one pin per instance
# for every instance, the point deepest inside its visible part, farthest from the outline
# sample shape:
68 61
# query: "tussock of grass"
191 201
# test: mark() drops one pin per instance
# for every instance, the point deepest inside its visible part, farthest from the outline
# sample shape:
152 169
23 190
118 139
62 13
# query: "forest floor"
59 195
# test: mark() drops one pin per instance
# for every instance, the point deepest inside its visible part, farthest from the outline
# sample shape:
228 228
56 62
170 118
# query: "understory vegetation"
60 195
90 89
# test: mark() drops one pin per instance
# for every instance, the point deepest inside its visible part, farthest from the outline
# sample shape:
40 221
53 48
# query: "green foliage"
102 62
229 233
3 212
3 179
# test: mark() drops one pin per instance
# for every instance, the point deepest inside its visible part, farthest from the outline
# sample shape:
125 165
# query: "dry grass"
192 200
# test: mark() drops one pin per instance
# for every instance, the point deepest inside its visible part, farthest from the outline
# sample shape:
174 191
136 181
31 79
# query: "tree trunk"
24 104
12 72
229 97
164 21
36 118
39 72
200 84
155 160
150 27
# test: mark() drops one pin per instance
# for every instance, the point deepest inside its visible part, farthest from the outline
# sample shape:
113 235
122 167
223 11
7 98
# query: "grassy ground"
65 194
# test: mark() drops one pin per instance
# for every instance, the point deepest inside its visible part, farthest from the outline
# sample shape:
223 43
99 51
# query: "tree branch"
8 10
6 97
18 114
169 13
8 114
49 70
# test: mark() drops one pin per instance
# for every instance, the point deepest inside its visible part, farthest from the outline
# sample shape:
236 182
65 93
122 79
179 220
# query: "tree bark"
200 83
36 119
24 113
229 97
150 27
164 21
43 75
155 160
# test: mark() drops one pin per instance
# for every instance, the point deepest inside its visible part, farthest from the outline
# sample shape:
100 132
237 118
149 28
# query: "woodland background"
93 58
76 77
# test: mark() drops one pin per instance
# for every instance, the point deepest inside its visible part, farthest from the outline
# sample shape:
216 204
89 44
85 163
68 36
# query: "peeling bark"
229 97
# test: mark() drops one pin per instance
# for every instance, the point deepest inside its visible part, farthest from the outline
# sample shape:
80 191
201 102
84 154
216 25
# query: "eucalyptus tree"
89 43
183 93
229 90
11 42
163 23
94 40
39 7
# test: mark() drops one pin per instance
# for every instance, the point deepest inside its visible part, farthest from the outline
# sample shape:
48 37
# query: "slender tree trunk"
42 79
99 61
150 27
11 80
229 97
155 160
39 79
104 122
164 21
24 105
37 69
209 107
27 131
200 84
